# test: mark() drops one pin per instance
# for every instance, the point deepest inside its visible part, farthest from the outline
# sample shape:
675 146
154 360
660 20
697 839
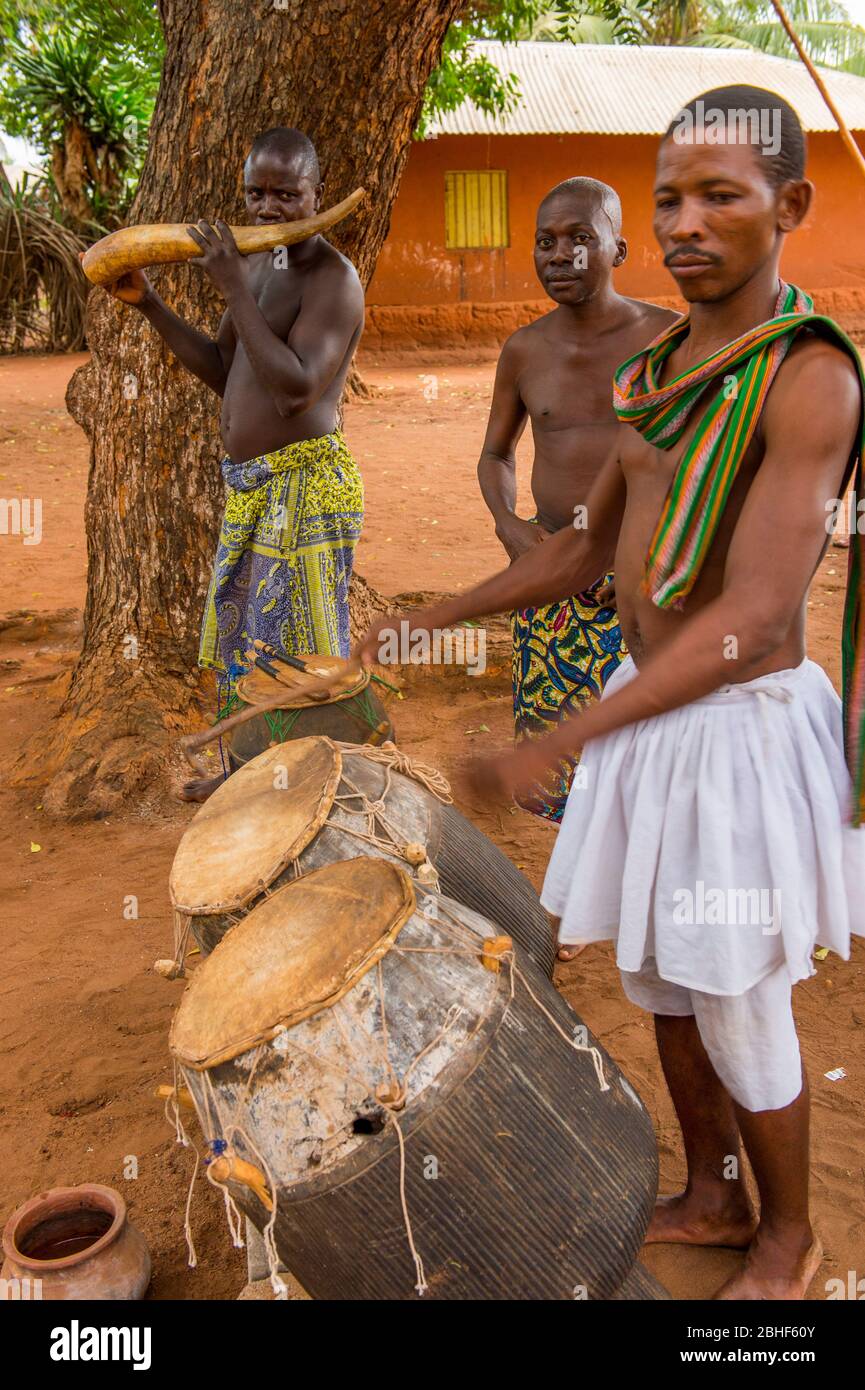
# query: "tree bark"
351 73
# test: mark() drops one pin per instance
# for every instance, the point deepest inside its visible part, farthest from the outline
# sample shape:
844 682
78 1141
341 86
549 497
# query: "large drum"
307 803
400 1101
352 713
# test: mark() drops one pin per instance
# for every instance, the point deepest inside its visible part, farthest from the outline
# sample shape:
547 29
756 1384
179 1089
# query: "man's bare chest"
278 294
562 394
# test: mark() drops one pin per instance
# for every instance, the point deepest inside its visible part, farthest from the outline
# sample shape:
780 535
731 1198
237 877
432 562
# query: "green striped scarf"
699 491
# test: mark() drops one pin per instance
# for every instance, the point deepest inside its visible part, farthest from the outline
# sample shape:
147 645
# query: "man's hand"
518 536
501 776
219 255
368 648
132 288
606 594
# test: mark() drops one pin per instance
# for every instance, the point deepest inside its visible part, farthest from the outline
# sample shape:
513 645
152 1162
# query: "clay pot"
79 1242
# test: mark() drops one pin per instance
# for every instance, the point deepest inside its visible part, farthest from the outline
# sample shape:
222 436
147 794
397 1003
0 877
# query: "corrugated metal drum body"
523 1178
470 867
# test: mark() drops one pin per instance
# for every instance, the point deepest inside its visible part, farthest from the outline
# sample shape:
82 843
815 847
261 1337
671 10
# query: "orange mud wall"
424 296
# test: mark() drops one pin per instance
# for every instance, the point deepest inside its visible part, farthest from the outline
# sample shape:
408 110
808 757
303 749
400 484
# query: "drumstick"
287 684
191 743
298 665
265 666
293 661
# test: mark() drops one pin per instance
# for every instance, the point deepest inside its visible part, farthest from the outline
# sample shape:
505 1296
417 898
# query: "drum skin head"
258 821
296 953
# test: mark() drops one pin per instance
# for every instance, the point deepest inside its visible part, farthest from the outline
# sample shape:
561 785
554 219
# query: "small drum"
401 1102
307 803
351 713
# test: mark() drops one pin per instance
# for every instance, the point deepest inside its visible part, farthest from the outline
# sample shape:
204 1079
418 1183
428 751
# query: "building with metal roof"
457 266
623 89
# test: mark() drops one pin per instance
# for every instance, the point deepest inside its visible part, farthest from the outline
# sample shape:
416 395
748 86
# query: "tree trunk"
351 73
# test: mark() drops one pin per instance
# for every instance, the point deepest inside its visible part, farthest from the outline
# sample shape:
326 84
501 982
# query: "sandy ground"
85 1018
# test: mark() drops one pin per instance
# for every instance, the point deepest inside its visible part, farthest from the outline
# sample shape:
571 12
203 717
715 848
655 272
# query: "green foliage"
825 28
14 15
80 84
463 74
129 25
131 28
66 78
827 33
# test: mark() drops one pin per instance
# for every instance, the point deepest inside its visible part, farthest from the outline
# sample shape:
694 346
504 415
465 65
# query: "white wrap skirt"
716 838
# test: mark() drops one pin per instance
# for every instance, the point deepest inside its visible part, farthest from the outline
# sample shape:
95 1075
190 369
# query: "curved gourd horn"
133 248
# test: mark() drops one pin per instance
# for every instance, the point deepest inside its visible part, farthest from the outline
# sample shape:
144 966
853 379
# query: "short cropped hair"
603 194
780 167
288 142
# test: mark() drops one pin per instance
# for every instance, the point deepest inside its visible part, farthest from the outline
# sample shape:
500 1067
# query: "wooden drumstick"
295 662
190 744
286 682
298 665
261 665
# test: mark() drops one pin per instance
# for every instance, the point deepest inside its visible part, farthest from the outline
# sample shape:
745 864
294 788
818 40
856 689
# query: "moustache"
683 253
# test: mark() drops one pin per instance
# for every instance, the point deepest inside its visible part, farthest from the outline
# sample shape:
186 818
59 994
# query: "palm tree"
828 34
92 124
82 90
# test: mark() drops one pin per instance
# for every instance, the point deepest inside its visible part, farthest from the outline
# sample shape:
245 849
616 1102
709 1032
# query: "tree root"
356 388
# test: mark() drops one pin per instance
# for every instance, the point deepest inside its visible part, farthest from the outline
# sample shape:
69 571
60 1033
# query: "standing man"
557 373
294 505
712 840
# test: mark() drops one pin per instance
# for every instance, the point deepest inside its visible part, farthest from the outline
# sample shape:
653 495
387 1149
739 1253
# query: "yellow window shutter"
476 209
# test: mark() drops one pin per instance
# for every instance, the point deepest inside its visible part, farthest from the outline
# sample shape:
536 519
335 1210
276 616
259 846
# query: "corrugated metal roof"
621 89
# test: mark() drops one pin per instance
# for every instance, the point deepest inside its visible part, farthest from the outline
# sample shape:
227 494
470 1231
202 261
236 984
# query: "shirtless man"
556 372
714 764
294 505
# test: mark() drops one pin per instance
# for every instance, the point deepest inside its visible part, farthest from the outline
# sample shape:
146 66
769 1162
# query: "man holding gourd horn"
294 505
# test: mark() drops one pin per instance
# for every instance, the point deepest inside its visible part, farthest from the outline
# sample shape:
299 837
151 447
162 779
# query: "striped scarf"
699 491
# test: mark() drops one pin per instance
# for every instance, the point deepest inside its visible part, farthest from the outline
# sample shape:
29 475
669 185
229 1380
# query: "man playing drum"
294 506
715 774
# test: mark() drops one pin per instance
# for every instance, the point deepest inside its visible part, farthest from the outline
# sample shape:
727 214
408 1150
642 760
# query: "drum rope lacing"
413 854
181 1137
390 1099
229 1132
234 1218
395 758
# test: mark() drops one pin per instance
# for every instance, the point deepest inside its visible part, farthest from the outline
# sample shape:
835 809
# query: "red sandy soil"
84 1016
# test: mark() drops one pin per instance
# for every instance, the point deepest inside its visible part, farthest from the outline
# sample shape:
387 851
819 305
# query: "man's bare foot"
570 952
696 1219
200 788
774 1269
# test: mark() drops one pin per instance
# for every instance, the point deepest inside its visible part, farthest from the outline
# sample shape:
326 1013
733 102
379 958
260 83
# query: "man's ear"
794 204
319 190
621 252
